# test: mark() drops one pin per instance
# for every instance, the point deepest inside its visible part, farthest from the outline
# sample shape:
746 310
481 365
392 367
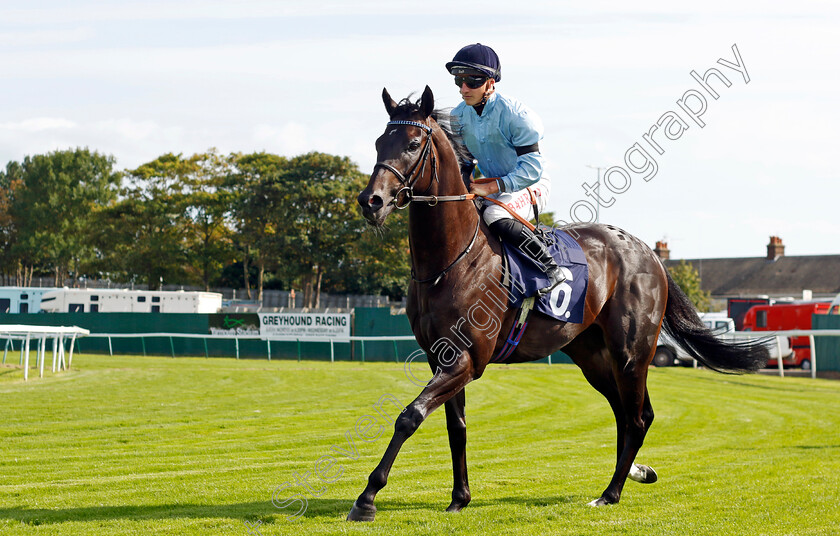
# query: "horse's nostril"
372 202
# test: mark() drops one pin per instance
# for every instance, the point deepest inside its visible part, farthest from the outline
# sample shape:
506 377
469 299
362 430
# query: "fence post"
813 356
42 354
62 365
779 361
237 346
70 357
332 351
268 345
110 348
26 364
206 353
172 347
396 352
363 350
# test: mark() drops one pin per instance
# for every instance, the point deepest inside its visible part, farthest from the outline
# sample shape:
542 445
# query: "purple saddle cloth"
525 276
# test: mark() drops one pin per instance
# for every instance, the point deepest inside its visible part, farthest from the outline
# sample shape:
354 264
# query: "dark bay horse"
459 314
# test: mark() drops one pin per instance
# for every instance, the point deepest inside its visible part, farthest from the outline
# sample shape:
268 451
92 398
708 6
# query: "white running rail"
24 333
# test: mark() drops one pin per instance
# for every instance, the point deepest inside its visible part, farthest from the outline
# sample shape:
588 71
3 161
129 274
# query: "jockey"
503 135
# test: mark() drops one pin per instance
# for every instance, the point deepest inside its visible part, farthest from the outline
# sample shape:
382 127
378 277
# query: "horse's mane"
443 117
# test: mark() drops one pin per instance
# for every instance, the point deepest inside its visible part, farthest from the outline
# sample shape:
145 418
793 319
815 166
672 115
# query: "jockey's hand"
484 189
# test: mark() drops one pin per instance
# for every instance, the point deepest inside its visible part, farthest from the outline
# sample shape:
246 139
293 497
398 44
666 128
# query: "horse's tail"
683 325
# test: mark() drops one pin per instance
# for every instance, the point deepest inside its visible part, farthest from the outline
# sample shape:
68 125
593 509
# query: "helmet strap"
480 106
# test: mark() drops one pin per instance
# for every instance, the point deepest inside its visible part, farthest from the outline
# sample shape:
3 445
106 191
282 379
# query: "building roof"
782 276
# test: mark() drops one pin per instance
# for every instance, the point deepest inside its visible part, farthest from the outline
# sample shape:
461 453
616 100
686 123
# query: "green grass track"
147 446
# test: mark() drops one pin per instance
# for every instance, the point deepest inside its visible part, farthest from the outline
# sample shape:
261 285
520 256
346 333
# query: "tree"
257 211
143 236
207 207
688 280
299 217
547 219
321 216
378 261
10 184
52 208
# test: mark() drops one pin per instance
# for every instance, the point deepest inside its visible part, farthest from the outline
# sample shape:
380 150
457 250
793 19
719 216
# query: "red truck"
785 316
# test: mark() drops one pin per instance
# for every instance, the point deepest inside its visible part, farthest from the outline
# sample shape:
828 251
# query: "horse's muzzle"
372 207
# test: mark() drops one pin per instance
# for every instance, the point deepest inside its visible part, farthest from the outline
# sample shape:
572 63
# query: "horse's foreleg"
456 426
442 387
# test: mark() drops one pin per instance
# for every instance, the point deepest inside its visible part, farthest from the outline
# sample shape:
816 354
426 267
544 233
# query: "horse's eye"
413 146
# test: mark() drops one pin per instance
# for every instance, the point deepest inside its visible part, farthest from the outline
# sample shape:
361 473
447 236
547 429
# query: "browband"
427 128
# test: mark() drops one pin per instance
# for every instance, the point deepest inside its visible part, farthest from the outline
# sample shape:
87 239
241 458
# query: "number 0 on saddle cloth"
566 301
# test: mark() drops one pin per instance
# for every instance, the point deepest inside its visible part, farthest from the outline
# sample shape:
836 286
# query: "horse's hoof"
357 513
600 501
456 506
643 474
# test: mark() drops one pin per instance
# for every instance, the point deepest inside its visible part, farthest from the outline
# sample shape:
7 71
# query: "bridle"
409 182
408 189
417 170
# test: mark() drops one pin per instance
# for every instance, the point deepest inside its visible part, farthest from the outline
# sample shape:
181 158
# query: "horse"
456 264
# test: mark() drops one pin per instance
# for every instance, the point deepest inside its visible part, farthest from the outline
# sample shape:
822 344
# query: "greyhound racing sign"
285 325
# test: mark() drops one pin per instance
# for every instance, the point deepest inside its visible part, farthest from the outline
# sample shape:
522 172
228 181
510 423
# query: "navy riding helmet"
474 58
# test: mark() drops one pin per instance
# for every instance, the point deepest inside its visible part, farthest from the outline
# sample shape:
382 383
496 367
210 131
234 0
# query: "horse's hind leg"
630 373
644 473
619 386
456 426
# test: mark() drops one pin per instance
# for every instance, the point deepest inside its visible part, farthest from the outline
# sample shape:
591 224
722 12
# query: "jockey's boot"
514 233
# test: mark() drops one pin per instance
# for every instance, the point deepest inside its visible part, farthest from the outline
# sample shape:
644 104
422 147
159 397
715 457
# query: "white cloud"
37 124
132 130
17 39
288 139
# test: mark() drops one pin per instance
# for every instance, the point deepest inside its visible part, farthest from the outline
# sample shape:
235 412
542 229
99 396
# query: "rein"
435 279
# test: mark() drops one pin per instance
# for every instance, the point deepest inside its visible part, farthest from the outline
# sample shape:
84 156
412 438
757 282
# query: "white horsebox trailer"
22 299
100 300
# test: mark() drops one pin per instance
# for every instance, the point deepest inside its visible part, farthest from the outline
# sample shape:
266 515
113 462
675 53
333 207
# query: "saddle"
522 277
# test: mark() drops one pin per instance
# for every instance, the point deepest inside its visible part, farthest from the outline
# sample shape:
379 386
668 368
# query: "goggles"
473 82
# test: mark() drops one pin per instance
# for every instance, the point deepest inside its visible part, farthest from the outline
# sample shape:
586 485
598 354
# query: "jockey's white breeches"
519 202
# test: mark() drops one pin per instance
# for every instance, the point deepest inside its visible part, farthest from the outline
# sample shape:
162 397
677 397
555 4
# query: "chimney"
662 250
775 248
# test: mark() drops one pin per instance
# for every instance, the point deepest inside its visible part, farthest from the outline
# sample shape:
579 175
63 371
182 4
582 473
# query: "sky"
140 79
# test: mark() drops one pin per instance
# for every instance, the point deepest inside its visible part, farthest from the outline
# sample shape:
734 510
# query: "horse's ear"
427 102
390 105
